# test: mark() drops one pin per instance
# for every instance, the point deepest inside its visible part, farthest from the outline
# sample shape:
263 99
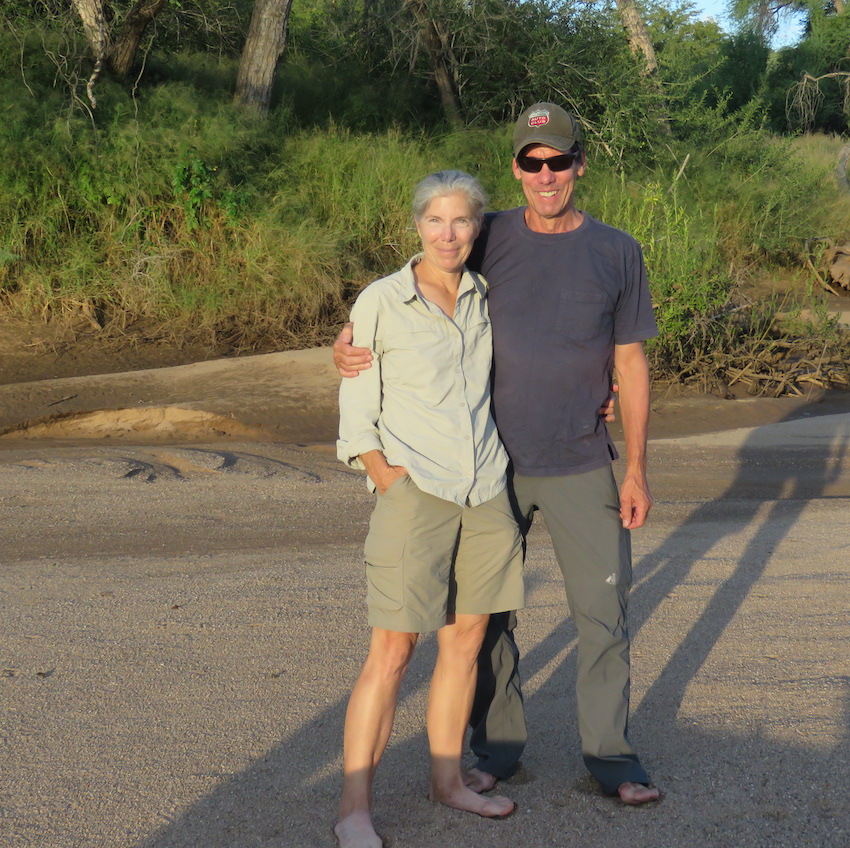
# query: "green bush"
164 209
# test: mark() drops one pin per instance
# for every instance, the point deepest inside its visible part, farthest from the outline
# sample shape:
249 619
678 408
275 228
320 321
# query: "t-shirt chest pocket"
581 315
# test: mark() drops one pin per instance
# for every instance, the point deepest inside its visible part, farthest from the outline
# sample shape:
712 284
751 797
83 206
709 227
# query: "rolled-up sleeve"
360 397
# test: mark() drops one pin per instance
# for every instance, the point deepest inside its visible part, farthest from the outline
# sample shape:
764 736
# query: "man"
569 304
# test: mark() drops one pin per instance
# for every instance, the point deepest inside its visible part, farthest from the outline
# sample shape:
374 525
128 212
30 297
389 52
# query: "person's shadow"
772 488
785 476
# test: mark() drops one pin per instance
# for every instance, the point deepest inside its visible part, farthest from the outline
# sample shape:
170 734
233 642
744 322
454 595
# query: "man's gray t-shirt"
558 305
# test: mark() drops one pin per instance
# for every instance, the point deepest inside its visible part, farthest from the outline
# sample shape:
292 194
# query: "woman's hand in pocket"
383 474
388 477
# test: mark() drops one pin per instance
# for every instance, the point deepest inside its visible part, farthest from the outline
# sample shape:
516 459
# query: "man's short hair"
549 124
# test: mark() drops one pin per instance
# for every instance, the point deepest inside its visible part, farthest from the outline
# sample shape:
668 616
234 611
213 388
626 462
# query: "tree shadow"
768 473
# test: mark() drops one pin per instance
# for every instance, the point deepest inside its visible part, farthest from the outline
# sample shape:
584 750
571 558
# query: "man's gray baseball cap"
546 123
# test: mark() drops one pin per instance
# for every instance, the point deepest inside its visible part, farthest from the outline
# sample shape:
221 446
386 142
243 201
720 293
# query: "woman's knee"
464 636
390 651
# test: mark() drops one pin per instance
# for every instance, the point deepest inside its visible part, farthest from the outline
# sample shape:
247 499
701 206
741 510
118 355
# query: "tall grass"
169 214
688 279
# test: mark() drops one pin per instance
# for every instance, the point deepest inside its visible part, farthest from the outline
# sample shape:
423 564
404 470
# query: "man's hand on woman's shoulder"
348 360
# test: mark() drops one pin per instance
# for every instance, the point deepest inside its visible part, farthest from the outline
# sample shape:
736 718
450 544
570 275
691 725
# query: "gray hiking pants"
593 550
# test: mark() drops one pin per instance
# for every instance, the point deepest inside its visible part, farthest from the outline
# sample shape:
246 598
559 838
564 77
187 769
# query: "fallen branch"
823 283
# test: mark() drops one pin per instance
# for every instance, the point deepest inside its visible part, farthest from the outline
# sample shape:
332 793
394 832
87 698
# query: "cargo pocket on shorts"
386 588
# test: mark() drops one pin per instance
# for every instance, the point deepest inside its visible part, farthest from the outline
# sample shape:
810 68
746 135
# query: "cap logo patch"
539 118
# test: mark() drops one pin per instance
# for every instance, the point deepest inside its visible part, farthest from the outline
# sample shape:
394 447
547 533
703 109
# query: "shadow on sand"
740 787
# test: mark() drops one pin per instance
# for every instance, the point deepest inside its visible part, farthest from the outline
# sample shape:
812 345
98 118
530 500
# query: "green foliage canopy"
165 208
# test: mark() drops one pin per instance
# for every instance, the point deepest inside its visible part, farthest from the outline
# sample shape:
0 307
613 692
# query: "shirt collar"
407 288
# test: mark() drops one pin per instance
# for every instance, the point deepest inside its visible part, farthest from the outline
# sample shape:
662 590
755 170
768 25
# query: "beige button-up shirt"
425 402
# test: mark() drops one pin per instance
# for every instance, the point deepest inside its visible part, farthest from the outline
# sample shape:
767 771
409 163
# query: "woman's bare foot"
464 798
635 794
479 781
356 831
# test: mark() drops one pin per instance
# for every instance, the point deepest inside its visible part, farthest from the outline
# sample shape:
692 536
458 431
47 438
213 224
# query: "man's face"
549 194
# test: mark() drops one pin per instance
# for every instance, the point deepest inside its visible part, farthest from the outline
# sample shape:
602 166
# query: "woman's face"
447 229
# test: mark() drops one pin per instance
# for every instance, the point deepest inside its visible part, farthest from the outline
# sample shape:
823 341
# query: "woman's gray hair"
450 182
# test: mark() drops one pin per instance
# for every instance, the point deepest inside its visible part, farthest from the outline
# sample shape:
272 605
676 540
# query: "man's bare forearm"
633 375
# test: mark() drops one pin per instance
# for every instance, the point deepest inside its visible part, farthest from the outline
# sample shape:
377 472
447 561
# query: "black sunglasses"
556 163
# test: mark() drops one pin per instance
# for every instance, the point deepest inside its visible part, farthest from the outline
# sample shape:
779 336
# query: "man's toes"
636 794
479 781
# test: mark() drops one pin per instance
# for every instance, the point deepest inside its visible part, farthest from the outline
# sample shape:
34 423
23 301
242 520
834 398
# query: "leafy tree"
745 69
123 52
808 84
810 81
638 34
436 39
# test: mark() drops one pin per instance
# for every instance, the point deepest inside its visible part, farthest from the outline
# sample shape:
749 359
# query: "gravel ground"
182 626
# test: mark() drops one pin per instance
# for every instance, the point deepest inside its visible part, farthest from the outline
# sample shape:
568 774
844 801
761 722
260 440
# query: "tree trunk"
640 42
264 45
638 35
436 42
97 34
94 25
123 52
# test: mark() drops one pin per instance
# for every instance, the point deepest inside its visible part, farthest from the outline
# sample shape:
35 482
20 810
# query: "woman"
443 550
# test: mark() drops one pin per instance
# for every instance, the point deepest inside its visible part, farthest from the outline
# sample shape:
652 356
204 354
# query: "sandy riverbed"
182 621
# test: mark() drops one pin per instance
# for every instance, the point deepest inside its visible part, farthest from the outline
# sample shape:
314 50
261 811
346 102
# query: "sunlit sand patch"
149 423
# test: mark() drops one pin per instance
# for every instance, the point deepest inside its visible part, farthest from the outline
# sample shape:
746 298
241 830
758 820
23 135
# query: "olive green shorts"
428 558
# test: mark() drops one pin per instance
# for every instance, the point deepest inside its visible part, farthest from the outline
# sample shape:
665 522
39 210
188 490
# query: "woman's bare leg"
449 705
368 724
